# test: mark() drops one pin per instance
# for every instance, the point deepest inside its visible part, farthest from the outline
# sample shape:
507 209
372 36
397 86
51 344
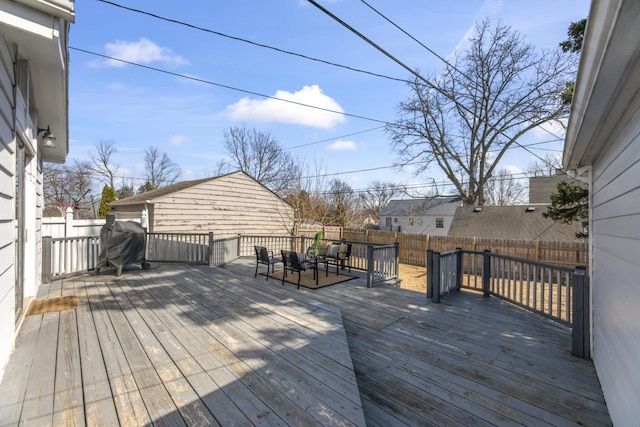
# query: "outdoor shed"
226 205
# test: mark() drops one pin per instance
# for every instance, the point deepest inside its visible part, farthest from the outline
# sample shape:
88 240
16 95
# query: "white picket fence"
58 227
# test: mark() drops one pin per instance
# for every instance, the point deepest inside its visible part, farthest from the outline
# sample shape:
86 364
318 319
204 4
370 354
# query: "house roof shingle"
416 207
510 222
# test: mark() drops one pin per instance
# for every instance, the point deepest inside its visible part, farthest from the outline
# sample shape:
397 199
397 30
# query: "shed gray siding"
228 205
7 189
615 233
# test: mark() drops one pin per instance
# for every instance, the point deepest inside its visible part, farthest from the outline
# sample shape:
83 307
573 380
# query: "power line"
262 45
184 76
332 139
416 74
416 40
310 58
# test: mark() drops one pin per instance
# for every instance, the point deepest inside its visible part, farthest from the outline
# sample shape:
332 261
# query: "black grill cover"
123 243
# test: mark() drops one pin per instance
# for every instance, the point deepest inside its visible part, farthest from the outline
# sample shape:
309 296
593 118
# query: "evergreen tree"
108 196
570 203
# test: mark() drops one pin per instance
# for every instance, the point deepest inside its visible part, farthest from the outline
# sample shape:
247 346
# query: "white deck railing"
63 257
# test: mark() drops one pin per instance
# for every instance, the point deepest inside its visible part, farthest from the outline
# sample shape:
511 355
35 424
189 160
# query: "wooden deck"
184 345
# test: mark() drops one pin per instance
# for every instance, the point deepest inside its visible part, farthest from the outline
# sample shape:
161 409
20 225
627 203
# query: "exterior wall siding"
227 206
7 189
615 232
422 224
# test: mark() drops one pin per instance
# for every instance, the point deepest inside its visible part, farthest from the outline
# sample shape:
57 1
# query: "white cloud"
513 169
178 139
143 51
341 145
272 110
548 131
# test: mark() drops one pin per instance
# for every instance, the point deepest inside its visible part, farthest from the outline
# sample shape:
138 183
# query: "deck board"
189 345
99 405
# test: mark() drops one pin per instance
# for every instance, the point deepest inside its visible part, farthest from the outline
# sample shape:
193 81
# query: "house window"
410 220
395 220
387 221
439 222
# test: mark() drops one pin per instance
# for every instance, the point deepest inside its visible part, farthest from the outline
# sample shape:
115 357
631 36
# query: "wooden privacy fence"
413 247
556 292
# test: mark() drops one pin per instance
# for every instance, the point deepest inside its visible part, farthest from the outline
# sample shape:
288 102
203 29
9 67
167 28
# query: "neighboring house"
226 205
603 146
520 222
419 216
541 187
33 94
523 222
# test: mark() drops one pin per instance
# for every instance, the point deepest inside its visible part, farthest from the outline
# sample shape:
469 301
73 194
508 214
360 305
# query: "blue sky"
137 108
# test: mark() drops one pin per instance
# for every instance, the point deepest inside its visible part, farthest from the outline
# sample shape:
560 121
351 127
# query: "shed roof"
160 192
417 207
154 195
510 222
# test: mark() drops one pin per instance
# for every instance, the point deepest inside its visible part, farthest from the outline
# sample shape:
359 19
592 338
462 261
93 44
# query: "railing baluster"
550 297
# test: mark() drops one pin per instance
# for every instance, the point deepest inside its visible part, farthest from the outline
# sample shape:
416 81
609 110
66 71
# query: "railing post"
581 334
429 273
370 270
211 249
397 259
436 276
46 260
459 258
68 222
486 272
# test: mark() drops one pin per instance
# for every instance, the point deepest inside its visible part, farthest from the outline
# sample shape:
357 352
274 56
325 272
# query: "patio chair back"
292 263
263 256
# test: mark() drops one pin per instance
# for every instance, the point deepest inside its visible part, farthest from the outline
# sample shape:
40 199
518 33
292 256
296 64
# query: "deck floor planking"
189 345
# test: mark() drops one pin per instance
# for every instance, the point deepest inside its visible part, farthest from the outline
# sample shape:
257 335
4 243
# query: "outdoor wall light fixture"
48 140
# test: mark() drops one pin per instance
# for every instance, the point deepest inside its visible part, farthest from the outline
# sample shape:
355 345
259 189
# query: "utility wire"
184 76
428 83
332 139
416 74
265 46
417 41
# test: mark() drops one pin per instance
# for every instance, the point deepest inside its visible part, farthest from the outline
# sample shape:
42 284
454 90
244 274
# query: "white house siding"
229 205
7 209
615 231
7 189
422 224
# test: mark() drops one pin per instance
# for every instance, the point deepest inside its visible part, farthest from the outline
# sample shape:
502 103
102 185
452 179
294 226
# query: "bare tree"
307 195
101 162
66 186
125 189
546 166
260 156
160 170
376 197
465 119
503 189
343 203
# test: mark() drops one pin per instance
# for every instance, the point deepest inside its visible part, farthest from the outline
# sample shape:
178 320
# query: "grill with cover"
122 244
